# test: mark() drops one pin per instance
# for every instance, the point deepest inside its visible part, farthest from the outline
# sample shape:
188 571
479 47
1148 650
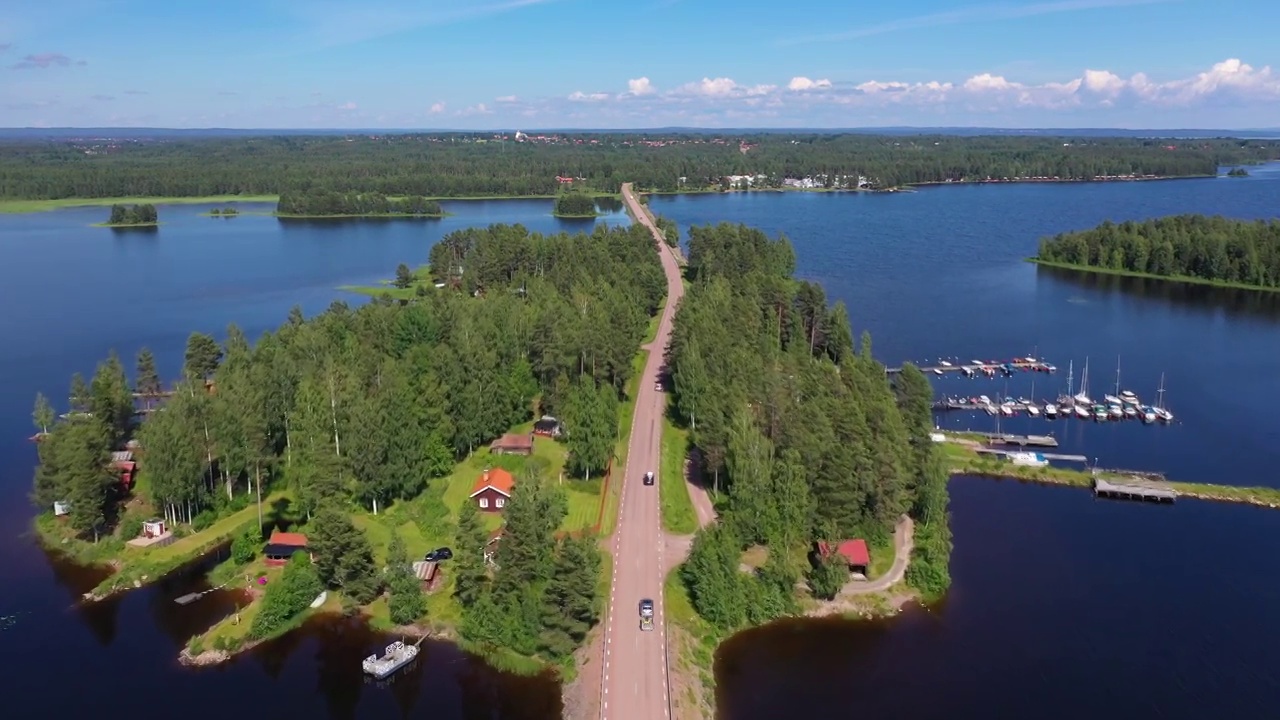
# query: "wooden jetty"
192 597
1023 440
1135 490
1046 456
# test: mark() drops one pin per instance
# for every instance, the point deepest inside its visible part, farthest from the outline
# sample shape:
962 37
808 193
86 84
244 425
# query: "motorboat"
1027 459
1115 412
1082 412
1050 411
1130 412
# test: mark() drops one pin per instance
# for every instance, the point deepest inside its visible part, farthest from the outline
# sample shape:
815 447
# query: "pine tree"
570 604
80 396
344 558
407 603
201 357
148 378
471 576
84 457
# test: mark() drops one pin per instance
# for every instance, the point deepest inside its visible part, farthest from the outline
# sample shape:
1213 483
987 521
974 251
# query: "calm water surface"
1161 612
1063 606
70 293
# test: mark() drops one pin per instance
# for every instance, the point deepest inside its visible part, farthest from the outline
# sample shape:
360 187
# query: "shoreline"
23 206
1204 282
125 225
366 216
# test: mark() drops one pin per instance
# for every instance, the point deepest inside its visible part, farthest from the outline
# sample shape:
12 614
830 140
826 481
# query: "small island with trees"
132 216
575 204
331 204
1187 248
1238 172
227 212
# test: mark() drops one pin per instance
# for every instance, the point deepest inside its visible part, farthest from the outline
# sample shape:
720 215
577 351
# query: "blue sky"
481 64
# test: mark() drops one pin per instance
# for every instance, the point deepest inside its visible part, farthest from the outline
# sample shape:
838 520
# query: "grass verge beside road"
678 514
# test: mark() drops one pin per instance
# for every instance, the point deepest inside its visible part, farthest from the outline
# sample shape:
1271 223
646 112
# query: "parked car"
439 554
648 478
646 614
657 385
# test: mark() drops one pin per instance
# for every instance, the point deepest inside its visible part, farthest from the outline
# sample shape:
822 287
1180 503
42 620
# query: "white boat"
1027 459
1033 411
991 409
1148 415
984 399
1115 411
937 371
397 655
1111 400
1082 412
1006 409
979 363
320 599
1082 397
1159 409
1130 412
944 363
1129 398
1050 410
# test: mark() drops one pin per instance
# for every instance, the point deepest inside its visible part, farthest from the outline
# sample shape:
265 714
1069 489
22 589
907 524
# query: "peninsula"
1187 248
331 204
394 447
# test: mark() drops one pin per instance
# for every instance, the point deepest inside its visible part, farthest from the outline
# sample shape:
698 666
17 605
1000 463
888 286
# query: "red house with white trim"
493 490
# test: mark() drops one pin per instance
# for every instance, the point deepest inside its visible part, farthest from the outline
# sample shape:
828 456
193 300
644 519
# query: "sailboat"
1115 399
1082 397
1159 408
1032 408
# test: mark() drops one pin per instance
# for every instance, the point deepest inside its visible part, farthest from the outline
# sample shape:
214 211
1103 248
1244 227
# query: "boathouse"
282 545
154 528
493 489
854 552
513 444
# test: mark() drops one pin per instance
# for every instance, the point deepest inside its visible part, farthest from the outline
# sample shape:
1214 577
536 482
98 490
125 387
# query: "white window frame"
484 502
500 502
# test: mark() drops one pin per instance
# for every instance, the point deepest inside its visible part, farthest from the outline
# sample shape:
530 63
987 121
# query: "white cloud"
580 96
478 109
506 99
723 87
347 106
640 86
436 108
804 83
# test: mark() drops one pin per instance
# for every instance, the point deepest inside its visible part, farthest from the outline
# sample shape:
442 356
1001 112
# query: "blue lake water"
1048 582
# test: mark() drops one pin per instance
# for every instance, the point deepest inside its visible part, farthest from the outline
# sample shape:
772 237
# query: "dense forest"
327 203
801 428
458 165
574 204
133 215
367 407
1214 249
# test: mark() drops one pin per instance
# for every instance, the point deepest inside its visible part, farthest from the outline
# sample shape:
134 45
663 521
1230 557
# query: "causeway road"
636 684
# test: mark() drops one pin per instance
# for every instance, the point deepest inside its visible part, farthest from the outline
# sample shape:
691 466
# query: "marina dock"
990 368
1138 489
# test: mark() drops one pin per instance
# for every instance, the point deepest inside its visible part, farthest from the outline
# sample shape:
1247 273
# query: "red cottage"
493 489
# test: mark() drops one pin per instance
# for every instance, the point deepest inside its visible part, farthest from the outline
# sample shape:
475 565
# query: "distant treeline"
1215 249
573 204
460 165
133 215
321 203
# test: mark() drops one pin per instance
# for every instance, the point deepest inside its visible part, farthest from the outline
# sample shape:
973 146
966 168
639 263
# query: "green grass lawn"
30 206
678 515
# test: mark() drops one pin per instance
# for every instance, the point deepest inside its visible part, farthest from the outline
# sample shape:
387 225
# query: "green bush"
203 520
245 546
131 527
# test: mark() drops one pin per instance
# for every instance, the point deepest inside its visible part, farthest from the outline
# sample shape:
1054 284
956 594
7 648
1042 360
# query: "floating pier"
1023 440
1135 490
1046 456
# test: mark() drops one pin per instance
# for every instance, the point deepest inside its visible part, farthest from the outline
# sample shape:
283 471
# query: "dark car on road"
646 614
439 554
648 478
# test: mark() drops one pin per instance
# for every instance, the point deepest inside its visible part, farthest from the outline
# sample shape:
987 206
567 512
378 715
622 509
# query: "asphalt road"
636 685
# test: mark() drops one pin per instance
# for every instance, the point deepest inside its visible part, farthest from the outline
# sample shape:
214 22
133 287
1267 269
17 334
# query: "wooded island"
462 165
330 204
1189 248
575 205
143 215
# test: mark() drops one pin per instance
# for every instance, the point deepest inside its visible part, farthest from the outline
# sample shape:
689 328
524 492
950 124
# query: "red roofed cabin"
493 489
122 462
513 444
283 545
853 551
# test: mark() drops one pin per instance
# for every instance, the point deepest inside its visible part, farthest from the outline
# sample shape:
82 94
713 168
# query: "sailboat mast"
1071 368
1117 376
